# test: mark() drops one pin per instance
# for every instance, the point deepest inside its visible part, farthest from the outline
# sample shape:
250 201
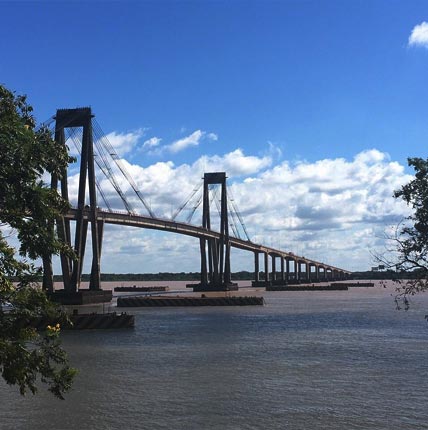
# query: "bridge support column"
313 275
277 278
63 225
72 268
287 269
256 267
273 276
95 281
282 270
216 275
299 271
266 255
204 270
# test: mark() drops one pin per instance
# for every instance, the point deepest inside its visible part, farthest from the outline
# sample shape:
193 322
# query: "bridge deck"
141 221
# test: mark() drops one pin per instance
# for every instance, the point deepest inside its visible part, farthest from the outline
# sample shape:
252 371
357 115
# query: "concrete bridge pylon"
215 253
72 267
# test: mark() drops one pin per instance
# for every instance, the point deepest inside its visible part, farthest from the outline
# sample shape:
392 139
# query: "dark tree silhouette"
29 208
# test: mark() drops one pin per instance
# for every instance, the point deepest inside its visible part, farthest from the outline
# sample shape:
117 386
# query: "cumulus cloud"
234 163
193 139
123 143
419 35
152 142
331 210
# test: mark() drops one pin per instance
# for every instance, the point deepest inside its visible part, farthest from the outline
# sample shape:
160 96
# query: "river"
321 360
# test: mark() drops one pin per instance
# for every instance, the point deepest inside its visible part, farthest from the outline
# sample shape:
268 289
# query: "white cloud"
234 163
192 140
123 143
419 35
370 156
274 151
152 142
331 210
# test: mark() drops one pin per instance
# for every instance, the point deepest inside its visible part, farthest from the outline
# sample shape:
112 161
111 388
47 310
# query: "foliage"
411 236
30 208
26 153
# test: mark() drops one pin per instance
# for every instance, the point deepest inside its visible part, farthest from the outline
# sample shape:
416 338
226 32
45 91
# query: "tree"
411 236
29 208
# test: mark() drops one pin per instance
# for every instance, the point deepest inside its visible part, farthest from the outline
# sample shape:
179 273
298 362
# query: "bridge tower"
215 252
87 214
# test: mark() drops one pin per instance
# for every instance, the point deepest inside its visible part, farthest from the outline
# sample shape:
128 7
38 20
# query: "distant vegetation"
409 243
161 276
386 275
237 276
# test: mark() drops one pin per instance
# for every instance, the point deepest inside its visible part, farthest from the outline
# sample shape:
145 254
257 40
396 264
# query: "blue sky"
289 83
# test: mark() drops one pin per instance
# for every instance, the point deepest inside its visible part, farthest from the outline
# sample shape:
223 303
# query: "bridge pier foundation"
81 297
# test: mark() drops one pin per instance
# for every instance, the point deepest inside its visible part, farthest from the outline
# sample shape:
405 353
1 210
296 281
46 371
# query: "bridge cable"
214 199
101 158
113 154
193 210
182 206
234 224
46 124
75 139
72 135
235 208
234 216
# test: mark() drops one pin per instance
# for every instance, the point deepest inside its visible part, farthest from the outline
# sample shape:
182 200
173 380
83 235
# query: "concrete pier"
81 297
162 301
306 287
230 286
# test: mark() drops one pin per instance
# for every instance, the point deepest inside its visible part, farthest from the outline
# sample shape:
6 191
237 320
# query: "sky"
310 107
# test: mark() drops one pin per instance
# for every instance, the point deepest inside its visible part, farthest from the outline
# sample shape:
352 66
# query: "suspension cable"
234 224
105 166
235 208
47 124
72 134
113 154
192 194
193 210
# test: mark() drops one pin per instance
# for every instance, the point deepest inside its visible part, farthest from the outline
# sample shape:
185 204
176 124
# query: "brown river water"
305 360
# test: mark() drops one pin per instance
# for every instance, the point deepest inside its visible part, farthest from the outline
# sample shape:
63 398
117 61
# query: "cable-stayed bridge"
221 228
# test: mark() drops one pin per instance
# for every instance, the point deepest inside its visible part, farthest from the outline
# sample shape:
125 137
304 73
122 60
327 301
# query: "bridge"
214 244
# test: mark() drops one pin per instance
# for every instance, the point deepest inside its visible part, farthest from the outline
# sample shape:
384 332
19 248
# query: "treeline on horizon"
387 275
237 276
161 276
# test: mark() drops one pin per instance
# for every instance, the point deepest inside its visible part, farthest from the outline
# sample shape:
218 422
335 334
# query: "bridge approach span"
141 221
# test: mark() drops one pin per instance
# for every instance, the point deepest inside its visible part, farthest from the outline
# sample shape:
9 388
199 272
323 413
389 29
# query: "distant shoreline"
237 276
